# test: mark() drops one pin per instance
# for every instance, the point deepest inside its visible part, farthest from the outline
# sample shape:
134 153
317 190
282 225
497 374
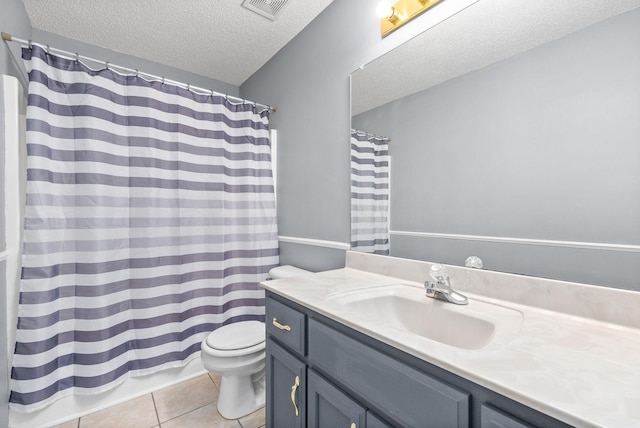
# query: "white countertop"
578 369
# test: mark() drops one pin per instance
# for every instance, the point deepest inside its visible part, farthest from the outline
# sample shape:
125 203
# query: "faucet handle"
439 273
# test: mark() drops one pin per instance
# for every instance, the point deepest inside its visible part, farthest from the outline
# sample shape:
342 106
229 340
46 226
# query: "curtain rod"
369 134
74 56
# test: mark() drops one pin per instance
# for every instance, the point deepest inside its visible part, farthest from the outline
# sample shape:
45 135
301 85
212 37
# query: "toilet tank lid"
286 271
239 335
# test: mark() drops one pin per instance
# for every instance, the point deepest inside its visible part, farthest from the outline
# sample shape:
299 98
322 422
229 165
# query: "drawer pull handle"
294 388
280 326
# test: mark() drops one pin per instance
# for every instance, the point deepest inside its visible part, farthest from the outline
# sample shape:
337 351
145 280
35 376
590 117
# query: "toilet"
237 353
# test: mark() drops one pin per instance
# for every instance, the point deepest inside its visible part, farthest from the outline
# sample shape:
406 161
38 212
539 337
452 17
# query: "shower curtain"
369 193
150 220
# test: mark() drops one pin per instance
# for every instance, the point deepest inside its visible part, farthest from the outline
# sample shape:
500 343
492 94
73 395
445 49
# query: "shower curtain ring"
30 44
106 64
163 80
137 73
77 57
188 86
47 50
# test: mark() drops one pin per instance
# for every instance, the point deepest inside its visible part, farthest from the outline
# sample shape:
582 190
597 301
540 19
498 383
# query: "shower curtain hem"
86 392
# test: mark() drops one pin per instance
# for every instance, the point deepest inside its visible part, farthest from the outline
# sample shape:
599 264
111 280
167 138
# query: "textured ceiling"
214 38
485 32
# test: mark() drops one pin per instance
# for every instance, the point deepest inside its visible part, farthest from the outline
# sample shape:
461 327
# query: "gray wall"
308 80
543 145
13 20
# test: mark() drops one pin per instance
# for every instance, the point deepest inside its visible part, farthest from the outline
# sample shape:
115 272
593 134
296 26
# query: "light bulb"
385 9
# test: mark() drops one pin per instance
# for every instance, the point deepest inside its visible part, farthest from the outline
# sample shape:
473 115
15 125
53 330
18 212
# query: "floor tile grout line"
155 407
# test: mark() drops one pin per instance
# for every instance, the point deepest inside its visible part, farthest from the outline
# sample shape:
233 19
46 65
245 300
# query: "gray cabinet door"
286 389
331 408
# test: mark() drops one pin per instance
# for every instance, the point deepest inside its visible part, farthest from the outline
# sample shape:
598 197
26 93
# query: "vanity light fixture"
385 10
399 13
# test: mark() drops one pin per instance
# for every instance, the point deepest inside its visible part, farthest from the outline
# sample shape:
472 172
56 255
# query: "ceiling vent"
267 8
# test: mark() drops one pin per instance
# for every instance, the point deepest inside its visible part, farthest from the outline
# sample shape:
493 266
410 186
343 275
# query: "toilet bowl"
237 353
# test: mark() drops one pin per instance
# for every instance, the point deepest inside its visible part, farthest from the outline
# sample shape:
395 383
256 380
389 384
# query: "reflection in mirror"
369 193
515 138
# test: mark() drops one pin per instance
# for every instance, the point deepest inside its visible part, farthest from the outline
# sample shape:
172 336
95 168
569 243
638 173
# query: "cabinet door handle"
294 388
280 326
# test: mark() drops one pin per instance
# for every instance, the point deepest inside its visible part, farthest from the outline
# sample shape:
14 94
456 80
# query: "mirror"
514 137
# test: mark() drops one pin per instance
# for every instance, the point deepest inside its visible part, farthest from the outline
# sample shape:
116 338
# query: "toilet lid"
238 335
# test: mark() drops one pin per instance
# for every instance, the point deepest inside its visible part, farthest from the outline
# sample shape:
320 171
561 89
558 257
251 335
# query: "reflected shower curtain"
369 193
150 220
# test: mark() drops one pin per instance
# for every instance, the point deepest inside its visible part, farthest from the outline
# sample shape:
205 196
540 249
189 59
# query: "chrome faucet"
441 288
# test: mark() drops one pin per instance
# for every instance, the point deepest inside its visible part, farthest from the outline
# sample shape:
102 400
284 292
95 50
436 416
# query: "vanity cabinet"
348 379
286 368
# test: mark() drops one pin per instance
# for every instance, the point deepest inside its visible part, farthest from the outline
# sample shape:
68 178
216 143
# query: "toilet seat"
237 339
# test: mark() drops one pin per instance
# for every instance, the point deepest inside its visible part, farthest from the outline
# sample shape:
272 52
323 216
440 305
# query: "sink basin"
405 307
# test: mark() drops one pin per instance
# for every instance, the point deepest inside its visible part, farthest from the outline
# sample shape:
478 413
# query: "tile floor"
190 404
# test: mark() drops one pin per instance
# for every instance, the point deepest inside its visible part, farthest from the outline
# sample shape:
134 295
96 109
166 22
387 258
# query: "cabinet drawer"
399 392
286 325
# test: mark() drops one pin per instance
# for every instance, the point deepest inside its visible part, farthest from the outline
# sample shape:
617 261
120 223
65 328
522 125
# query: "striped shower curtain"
369 193
150 220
